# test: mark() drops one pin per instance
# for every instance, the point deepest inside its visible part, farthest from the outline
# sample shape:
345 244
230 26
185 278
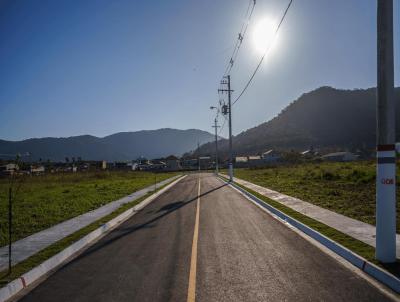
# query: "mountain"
323 118
118 146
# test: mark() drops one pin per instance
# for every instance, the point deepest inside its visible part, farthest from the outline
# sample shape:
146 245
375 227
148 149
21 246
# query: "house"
271 156
9 169
255 161
144 167
158 164
241 159
172 163
340 156
142 161
37 170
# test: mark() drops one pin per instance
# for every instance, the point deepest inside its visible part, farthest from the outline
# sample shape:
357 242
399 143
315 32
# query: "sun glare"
264 34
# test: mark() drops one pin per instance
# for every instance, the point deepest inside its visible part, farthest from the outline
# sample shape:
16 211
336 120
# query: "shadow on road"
122 232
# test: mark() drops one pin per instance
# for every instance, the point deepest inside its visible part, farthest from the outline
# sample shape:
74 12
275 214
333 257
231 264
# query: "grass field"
33 261
43 201
346 188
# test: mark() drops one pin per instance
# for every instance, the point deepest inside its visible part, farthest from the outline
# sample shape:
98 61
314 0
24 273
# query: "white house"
241 159
37 169
9 169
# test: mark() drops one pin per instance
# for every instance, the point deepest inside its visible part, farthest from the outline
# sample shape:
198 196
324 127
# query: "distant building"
37 169
205 162
255 161
9 169
241 159
142 161
190 163
144 167
271 156
340 156
172 163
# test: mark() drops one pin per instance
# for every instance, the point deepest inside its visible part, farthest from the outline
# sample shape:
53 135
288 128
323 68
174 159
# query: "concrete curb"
14 287
371 269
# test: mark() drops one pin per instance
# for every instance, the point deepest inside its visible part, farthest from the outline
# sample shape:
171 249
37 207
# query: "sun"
264 34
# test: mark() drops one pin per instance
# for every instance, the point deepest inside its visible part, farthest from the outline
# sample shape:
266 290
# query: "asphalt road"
240 254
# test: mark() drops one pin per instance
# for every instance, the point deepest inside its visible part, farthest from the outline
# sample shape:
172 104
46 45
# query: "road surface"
203 241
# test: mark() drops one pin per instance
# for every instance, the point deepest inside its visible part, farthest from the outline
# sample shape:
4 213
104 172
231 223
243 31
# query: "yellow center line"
193 262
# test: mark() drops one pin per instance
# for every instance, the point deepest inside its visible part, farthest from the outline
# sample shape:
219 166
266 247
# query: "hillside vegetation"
118 146
323 118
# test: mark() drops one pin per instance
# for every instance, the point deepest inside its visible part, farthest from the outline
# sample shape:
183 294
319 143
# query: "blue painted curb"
371 269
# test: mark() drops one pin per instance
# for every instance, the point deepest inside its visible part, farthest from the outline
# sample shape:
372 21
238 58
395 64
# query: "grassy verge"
345 188
60 245
46 200
358 247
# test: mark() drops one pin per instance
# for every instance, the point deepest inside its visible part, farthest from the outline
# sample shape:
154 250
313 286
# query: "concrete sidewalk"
26 247
352 227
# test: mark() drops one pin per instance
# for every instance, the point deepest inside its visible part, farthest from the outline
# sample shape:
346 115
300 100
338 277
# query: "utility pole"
198 154
230 130
227 109
216 145
386 154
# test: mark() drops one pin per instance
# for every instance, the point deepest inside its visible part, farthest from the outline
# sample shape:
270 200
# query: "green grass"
359 247
44 201
60 245
345 188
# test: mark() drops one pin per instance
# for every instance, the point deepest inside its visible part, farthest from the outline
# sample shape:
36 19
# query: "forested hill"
118 146
323 118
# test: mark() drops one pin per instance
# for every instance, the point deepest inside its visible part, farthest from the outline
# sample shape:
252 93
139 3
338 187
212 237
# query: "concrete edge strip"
15 286
371 269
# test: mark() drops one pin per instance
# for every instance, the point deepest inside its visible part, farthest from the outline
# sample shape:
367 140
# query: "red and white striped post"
386 153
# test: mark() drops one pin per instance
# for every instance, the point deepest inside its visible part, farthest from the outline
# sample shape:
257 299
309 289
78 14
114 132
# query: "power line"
238 43
265 53
241 36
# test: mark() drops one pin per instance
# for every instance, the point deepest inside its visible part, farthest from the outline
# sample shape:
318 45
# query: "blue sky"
98 67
